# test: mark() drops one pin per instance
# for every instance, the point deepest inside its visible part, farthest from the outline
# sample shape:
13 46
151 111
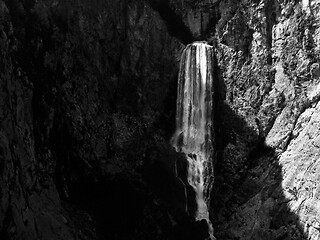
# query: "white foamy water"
194 121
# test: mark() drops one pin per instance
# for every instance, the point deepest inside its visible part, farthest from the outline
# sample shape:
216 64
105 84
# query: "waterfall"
193 134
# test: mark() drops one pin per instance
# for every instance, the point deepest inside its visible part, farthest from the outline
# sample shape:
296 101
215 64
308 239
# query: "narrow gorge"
159 119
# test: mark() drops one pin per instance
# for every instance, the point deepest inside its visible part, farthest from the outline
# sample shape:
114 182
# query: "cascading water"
193 134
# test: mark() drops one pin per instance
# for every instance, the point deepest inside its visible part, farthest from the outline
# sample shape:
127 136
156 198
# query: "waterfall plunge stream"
193 134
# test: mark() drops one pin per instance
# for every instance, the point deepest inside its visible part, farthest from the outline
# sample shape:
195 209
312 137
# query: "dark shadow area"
117 206
126 206
215 16
175 25
166 174
167 120
247 190
270 7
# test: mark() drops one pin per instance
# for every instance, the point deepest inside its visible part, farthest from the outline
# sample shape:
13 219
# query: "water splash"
193 134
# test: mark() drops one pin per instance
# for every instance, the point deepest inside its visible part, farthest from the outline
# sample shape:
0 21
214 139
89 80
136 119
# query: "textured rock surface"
268 55
87 106
82 85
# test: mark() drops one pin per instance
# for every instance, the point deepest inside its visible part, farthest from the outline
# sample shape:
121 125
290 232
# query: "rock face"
268 53
87 108
83 86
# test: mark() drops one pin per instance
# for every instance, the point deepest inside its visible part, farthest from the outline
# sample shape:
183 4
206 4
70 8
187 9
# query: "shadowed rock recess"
87 110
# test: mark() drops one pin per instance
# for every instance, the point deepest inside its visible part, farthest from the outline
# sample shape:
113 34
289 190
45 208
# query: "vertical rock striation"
266 179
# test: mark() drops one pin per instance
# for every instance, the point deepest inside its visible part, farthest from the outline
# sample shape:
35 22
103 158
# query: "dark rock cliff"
87 108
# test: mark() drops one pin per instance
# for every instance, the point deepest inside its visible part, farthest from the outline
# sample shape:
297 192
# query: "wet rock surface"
87 108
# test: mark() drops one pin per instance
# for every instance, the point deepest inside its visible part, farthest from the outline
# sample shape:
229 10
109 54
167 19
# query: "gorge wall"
87 108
